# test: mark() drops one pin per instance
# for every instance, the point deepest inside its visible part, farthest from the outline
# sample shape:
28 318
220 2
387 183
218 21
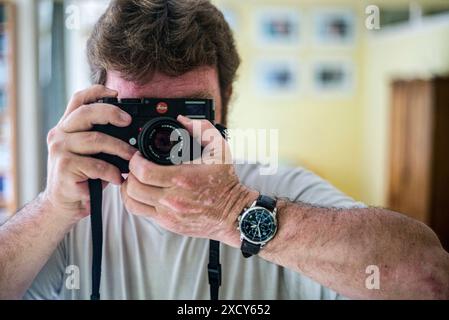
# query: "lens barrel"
164 141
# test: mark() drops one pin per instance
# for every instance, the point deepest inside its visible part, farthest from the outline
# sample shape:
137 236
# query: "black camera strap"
214 269
214 266
96 221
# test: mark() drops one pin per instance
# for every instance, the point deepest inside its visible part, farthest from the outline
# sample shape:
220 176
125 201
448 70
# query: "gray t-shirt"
141 260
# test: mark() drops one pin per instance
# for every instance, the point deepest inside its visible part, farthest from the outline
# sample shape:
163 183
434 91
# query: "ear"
228 93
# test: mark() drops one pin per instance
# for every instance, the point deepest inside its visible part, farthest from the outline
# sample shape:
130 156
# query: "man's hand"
69 145
197 200
29 238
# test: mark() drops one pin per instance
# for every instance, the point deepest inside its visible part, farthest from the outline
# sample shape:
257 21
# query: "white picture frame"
335 78
278 26
334 26
277 77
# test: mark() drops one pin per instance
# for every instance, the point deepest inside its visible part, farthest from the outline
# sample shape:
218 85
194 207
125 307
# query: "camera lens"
163 140
160 142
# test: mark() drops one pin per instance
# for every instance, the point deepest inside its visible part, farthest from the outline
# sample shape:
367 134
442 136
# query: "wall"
421 51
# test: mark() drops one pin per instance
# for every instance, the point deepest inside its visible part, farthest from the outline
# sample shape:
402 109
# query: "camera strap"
214 269
214 266
96 221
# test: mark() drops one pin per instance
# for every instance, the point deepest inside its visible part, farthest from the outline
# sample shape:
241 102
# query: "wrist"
66 215
242 198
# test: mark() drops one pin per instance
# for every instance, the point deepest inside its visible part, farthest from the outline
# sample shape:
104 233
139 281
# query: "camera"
155 131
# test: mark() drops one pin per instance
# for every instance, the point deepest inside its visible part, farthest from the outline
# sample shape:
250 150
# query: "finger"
216 149
149 173
90 168
140 192
83 118
90 142
202 130
89 95
136 207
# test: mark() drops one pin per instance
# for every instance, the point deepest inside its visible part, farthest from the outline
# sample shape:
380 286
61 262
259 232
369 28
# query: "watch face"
258 225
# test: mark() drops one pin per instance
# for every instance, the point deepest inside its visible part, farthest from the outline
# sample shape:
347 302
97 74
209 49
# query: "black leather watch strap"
266 202
249 249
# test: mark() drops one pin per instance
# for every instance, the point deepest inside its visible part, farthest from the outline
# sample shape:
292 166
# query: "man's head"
170 48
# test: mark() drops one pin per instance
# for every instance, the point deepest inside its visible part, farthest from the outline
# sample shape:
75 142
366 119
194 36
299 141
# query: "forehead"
201 82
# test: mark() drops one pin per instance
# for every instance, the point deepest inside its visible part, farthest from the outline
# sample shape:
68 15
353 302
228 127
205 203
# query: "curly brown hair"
140 37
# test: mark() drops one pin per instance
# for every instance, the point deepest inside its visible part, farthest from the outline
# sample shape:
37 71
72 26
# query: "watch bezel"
249 210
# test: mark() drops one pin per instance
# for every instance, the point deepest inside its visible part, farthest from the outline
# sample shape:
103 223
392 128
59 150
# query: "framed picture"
333 77
277 26
276 77
334 26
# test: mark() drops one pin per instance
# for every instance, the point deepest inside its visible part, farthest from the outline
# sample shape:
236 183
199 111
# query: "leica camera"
154 130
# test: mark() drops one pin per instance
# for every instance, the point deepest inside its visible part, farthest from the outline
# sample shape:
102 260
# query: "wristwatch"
257 225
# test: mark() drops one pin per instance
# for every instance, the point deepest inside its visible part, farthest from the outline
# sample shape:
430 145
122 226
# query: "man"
158 221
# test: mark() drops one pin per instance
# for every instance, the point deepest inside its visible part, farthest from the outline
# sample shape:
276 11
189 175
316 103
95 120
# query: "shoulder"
295 183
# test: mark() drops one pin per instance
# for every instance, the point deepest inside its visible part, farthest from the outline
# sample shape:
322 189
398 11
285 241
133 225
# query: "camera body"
155 131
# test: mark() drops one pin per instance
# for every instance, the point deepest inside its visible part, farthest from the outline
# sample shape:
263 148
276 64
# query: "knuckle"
51 135
132 188
78 96
116 112
176 203
130 205
101 167
132 192
146 174
55 145
84 111
141 170
184 182
64 161
124 148
95 138
142 173
98 87
125 199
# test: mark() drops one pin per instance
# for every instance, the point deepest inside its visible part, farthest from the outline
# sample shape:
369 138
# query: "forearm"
335 247
27 241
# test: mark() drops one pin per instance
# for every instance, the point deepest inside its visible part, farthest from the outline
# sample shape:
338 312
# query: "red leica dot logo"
161 107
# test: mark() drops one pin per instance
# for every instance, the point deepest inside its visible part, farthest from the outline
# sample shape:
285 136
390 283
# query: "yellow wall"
343 139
